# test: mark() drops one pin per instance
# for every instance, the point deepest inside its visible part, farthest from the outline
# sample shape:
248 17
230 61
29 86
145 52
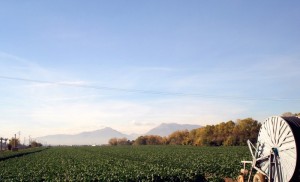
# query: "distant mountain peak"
165 129
107 129
100 136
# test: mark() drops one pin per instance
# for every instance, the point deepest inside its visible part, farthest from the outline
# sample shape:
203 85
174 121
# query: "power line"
148 91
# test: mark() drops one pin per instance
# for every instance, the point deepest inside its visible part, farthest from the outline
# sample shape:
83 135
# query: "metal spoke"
276 133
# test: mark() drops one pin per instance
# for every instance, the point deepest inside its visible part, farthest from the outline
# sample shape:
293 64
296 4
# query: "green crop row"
7 154
128 163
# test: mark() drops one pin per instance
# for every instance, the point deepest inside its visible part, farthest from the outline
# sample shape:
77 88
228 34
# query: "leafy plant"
125 163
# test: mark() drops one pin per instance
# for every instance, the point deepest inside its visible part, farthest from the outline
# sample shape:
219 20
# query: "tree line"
226 133
14 143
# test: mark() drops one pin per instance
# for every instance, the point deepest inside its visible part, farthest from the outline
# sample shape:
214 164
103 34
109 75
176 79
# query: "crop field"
124 163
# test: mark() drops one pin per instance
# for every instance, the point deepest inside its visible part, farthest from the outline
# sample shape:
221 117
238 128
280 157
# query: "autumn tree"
154 140
113 141
149 140
226 133
122 141
35 144
288 114
14 142
141 140
179 138
229 139
119 141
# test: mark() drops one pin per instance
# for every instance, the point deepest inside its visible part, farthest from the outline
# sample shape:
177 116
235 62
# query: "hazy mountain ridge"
166 129
102 136
85 138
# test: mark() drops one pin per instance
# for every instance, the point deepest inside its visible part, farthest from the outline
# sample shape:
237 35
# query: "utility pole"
5 140
15 141
19 137
1 143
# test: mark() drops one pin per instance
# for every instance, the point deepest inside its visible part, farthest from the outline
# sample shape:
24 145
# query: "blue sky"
240 59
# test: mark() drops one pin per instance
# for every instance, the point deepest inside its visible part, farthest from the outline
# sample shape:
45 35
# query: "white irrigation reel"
275 158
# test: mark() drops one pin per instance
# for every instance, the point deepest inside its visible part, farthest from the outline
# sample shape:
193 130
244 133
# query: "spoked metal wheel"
279 134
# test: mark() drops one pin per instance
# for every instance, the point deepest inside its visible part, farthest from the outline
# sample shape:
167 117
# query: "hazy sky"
230 59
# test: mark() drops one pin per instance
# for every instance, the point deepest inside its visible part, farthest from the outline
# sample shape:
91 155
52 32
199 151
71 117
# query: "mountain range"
166 129
99 137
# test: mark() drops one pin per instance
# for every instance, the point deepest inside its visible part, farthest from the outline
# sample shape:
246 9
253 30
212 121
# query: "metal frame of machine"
275 158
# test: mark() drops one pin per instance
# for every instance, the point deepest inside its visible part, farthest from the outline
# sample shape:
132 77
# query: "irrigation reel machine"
276 156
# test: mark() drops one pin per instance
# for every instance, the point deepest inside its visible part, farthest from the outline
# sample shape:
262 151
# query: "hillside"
85 138
102 136
166 129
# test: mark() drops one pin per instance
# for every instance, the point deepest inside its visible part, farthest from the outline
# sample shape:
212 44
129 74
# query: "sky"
72 66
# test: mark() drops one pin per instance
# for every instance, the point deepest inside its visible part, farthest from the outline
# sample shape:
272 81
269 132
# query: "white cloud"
52 108
12 65
10 57
154 69
86 115
124 115
139 123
